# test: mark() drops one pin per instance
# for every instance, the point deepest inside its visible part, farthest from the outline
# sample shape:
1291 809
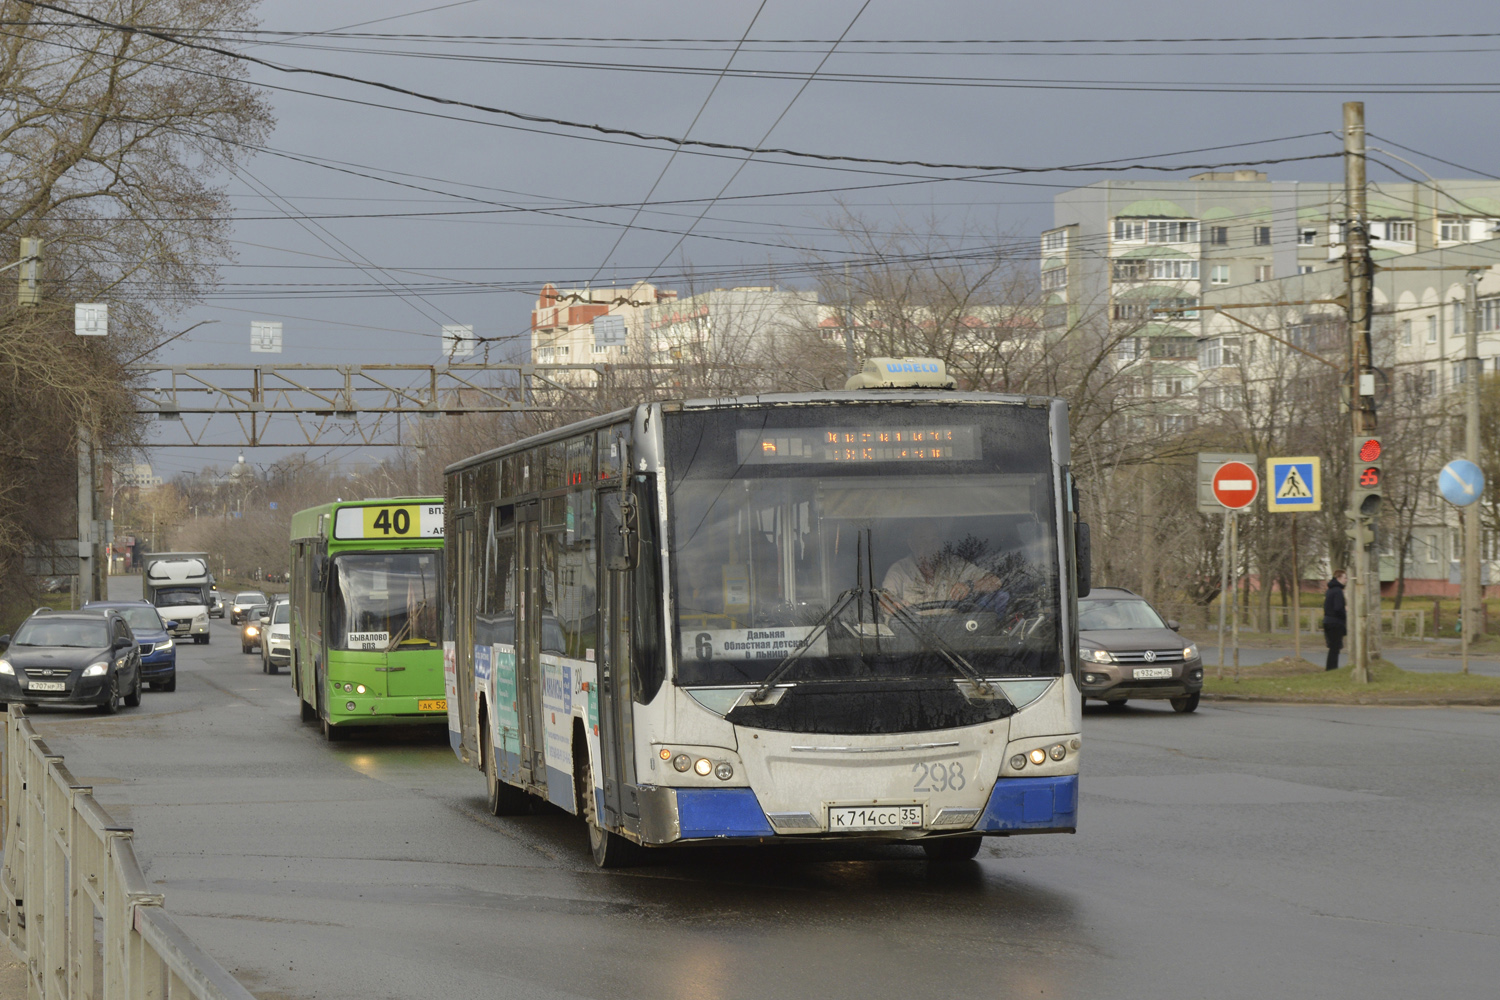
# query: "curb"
1478 702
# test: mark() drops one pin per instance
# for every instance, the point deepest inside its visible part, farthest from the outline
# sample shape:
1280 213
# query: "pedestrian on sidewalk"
1335 624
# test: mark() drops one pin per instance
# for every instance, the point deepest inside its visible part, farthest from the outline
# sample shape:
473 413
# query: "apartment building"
1418 342
1138 256
572 326
757 323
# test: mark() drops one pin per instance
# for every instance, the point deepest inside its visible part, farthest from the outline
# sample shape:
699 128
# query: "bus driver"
934 573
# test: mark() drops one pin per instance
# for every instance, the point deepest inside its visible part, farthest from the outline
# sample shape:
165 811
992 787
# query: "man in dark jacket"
1334 620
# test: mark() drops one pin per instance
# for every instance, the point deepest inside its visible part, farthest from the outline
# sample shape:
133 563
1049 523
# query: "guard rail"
68 867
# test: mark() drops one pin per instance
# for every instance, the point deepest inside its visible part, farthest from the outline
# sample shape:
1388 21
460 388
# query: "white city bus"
831 615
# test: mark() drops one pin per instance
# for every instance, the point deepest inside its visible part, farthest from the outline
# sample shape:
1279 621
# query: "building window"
1174 270
1219 275
1057 240
1304 269
1128 270
1174 423
1455 230
1219 236
1432 329
1459 375
1055 278
544 355
1489 314
1177 385
563 350
1263 272
1400 232
1406 333
1171 231
1429 382
1307 237
1130 230
1127 349
1217 352
1262 236
600 349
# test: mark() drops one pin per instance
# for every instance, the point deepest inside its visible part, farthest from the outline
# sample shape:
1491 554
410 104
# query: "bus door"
529 645
463 632
616 698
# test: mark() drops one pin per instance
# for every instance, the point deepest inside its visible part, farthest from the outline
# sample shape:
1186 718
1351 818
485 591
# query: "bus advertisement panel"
824 616
366 613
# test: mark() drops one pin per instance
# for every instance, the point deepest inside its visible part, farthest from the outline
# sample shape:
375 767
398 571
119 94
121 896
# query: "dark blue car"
158 651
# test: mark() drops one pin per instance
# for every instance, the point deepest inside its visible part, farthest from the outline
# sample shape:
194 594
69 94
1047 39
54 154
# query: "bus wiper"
954 658
819 627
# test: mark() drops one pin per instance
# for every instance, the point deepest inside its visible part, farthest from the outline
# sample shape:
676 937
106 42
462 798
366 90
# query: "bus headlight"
1038 756
682 762
348 706
703 767
723 770
1058 751
1018 761
359 689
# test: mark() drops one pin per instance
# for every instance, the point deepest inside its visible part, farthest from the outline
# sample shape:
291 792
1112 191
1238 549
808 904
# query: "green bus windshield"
385 601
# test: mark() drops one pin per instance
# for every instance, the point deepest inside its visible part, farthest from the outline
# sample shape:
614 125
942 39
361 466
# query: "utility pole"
1473 619
1358 268
850 368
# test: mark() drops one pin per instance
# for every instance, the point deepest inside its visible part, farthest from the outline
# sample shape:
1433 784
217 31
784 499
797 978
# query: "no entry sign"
1236 485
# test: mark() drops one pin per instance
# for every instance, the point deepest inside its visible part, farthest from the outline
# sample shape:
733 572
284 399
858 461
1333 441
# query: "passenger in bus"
935 573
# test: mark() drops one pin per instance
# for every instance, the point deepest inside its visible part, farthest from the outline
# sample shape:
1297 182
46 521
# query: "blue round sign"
1461 482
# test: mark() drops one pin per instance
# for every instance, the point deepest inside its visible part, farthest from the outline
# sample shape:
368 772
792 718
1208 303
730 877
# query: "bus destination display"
839 445
417 520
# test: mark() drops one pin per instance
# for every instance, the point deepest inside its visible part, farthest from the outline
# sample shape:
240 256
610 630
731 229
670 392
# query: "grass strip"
1291 680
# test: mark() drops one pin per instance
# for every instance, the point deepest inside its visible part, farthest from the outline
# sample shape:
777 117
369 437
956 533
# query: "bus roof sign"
388 521
902 373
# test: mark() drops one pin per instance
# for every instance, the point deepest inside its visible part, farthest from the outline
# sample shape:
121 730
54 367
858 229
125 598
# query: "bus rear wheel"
610 850
504 799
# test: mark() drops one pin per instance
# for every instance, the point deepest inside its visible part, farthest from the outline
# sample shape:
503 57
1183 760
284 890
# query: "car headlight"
238 609
1190 651
1095 655
160 646
96 670
7 669
251 630
201 619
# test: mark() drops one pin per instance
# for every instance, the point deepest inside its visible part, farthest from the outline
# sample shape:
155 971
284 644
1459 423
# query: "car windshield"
1099 615
142 619
250 597
385 600
892 540
176 597
85 635
280 615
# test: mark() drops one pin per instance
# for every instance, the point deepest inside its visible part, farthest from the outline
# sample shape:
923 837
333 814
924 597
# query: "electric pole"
1357 265
1472 617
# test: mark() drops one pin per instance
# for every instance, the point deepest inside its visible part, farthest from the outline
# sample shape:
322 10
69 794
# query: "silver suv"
1126 650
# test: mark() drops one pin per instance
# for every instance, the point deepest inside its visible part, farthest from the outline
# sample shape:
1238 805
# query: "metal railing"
77 909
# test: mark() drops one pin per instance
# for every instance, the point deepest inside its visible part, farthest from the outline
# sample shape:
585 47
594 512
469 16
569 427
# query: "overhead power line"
645 136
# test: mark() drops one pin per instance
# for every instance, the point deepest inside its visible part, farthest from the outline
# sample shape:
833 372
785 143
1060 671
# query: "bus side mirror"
1082 557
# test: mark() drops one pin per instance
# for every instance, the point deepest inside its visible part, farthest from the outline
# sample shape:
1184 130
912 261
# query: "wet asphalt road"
1251 851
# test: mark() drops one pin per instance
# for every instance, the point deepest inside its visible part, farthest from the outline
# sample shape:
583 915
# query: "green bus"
366 603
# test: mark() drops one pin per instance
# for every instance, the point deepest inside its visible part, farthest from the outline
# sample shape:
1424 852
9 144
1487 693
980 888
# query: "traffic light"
1369 477
1360 531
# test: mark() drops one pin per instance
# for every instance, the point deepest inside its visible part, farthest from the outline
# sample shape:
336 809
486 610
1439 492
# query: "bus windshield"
873 541
386 600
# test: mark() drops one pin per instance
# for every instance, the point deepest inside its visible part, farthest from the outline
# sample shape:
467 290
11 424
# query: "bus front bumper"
383 711
1015 806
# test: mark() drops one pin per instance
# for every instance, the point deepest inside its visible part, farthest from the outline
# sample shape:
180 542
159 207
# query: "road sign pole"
1223 588
1472 590
1296 597
1234 615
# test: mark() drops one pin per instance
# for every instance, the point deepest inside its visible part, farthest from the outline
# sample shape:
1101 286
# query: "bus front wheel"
610 850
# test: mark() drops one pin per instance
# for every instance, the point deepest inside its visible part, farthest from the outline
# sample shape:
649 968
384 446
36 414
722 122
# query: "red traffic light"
1370 450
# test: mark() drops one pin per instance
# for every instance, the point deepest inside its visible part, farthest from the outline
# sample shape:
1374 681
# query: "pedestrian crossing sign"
1296 484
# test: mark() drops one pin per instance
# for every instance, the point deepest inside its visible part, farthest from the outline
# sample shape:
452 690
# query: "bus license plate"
433 705
48 686
854 818
1149 673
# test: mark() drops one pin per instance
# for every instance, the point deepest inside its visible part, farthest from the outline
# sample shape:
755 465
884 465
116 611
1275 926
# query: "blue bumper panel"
720 812
1031 804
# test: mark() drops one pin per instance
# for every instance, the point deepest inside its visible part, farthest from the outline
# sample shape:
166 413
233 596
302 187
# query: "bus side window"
648 659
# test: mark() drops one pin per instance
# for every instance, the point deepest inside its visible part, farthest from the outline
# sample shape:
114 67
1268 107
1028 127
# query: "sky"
369 217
